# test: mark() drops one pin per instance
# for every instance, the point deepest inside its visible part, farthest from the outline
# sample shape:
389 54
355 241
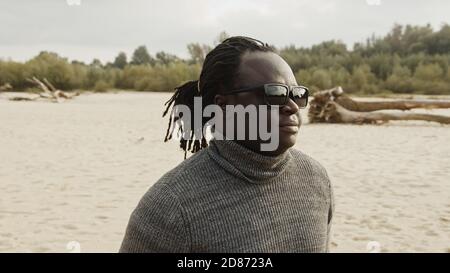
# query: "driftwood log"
6 87
334 106
47 91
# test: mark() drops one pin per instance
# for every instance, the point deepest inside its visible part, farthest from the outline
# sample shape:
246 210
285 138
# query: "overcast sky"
102 28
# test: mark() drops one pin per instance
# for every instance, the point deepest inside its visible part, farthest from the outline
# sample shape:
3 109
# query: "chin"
287 141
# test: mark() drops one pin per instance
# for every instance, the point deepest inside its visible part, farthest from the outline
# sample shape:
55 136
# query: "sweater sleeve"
330 213
157 224
328 190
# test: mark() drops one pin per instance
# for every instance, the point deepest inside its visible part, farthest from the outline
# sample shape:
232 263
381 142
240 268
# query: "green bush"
101 86
409 59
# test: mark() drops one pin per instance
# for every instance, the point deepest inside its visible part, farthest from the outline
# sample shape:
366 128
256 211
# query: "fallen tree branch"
335 113
6 87
337 94
48 92
333 105
23 99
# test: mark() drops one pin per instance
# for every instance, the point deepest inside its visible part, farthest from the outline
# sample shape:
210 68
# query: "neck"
255 146
246 163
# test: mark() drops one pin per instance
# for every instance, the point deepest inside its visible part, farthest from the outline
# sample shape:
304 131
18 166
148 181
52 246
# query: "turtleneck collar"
247 164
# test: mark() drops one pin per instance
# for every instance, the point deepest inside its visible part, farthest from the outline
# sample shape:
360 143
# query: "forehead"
263 67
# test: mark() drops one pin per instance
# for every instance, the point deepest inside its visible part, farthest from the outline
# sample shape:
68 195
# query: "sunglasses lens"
276 94
300 96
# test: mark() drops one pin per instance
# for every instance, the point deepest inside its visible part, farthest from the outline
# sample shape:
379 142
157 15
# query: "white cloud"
103 27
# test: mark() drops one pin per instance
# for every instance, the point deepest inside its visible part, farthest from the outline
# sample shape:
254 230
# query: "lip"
289 129
288 124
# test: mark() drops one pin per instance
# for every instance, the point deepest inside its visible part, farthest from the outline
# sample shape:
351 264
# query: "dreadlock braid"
218 73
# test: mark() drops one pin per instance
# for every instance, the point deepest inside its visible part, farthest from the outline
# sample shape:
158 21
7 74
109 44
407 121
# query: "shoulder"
308 162
162 204
177 182
159 223
316 171
310 165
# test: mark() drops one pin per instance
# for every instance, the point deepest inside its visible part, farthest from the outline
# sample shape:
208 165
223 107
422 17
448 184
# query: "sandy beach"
74 171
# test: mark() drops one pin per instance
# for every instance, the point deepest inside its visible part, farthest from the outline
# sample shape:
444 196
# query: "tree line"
408 59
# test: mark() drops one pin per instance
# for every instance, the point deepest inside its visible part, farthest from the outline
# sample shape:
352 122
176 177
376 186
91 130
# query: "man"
232 196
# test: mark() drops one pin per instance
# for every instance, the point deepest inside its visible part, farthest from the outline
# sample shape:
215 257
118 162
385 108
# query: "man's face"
258 68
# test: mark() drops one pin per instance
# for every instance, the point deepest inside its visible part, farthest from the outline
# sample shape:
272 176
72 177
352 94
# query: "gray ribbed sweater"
227 198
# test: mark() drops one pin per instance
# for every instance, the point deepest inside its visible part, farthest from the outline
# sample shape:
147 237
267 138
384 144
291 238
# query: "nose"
290 108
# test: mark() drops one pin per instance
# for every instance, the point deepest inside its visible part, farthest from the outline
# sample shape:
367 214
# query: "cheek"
300 120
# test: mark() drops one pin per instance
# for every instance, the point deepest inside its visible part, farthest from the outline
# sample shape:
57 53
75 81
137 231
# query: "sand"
72 172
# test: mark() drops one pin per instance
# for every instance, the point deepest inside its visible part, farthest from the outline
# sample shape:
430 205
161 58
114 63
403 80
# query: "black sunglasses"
279 94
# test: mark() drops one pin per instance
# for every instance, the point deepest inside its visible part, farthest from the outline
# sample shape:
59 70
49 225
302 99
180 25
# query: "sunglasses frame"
263 88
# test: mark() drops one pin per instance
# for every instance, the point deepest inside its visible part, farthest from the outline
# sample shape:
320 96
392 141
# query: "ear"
221 100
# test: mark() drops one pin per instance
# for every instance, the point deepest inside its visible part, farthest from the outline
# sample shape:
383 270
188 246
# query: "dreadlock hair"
218 72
